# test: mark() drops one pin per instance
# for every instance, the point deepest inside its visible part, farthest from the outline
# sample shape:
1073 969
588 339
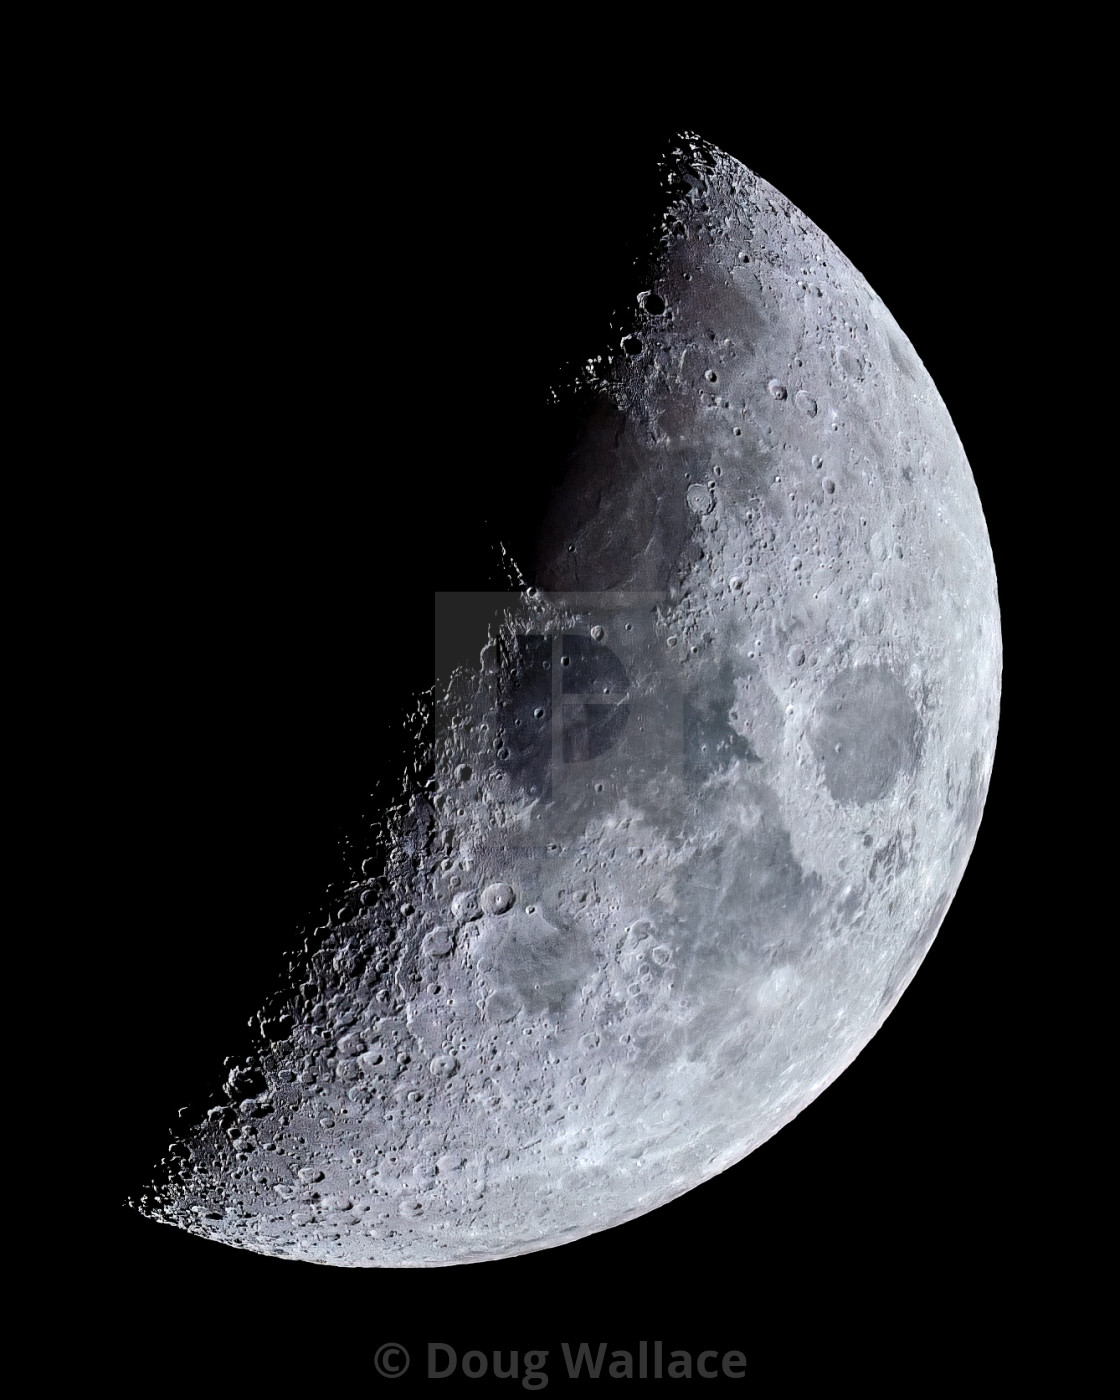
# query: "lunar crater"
866 734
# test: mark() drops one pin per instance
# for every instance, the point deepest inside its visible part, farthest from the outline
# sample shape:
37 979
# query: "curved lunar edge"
696 816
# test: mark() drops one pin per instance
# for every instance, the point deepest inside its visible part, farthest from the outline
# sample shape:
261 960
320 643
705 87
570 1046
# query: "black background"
338 319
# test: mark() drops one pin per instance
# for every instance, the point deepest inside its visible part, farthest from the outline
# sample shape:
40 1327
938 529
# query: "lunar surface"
676 844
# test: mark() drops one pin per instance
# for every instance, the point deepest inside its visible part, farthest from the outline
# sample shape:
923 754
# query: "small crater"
699 498
497 898
466 905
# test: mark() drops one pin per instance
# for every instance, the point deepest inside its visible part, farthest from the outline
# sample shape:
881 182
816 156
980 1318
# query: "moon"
673 847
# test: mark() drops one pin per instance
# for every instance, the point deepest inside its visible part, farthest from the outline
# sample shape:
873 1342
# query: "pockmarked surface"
678 842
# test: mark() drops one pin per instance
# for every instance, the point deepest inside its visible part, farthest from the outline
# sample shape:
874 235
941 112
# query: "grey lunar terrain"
696 816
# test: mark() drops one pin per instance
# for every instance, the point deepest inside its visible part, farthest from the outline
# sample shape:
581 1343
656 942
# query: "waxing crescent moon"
678 842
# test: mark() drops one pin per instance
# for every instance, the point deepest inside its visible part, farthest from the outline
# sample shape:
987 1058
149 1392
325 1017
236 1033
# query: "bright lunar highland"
677 842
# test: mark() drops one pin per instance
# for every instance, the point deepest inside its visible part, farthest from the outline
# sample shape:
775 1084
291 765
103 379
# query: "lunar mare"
684 835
